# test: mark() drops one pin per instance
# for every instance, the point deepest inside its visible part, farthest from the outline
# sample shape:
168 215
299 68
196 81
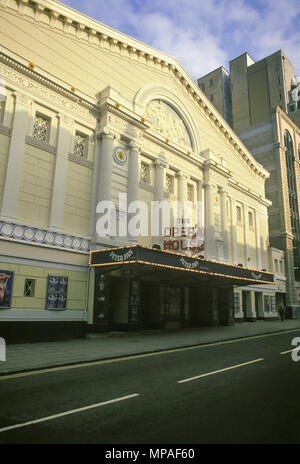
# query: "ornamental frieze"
45 93
43 237
124 127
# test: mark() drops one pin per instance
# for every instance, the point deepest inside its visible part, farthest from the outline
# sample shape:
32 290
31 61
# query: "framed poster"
57 292
237 305
134 313
6 284
267 303
273 303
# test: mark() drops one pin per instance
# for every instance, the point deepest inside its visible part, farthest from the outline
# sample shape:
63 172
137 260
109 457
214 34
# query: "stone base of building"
35 331
293 312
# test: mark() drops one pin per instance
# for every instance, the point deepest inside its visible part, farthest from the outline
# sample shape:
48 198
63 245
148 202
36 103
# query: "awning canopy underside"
155 265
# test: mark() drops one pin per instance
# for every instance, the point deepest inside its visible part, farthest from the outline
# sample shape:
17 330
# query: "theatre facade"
90 117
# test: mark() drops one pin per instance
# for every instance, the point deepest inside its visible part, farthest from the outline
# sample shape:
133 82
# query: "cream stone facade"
265 103
88 113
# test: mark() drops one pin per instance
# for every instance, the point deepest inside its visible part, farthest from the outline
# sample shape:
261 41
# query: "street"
243 391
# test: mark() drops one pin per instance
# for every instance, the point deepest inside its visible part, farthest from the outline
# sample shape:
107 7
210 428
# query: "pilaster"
15 156
224 223
210 243
133 181
60 173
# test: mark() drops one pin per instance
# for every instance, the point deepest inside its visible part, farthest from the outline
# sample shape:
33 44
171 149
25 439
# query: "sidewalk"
31 356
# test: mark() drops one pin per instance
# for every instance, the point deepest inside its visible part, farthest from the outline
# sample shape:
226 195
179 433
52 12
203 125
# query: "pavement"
34 356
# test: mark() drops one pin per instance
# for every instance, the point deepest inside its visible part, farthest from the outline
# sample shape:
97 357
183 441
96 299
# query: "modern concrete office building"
87 114
264 107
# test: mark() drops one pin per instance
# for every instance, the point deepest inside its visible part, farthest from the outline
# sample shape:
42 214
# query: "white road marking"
73 411
289 351
220 370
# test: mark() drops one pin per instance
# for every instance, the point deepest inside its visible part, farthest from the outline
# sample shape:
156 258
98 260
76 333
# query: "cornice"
34 84
247 190
286 117
94 32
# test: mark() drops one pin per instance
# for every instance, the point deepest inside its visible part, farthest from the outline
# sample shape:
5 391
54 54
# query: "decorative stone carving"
31 234
42 90
124 127
165 120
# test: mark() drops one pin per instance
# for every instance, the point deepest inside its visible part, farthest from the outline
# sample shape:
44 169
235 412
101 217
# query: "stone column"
15 157
105 166
224 223
226 305
60 173
210 243
133 181
103 171
159 195
246 236
233 232
182 197
257 241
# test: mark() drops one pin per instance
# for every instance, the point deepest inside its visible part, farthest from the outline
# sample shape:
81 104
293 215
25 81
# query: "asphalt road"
251 395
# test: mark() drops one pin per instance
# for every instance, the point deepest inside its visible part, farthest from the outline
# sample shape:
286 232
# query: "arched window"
299 151
291 177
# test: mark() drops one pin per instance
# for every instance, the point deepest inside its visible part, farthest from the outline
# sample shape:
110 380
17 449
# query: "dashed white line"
288 351
220 370
73 411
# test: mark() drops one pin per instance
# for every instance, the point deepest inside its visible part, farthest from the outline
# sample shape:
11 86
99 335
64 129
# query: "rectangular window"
29 287
276 265
145 173
80 145
41 128
211 98
281 267
169 183
239 214
211 82
250 216
190 192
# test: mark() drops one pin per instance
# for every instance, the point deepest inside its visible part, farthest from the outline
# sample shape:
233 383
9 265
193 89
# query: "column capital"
106 132
183 175
65 119
133 145
222 189
22 98
161 164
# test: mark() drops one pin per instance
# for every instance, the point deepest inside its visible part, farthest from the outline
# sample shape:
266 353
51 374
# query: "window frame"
50 115
85 132
30 288
148 166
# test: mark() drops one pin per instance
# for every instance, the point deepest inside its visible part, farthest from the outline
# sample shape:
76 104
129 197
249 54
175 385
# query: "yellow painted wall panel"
76 294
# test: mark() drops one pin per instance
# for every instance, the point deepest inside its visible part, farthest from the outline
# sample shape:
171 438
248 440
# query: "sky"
204 34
